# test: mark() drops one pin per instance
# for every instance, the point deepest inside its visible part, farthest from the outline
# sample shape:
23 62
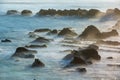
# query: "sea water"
16 28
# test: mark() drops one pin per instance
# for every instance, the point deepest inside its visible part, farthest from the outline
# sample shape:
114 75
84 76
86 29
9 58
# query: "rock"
117 25
109 57
12 12
82 56
53 32
24 53
108 34
41 40
111 14
67 33
93 46
92 33
26 12
37 63
81 70
33 35
6 40
42 30
114 43
36 46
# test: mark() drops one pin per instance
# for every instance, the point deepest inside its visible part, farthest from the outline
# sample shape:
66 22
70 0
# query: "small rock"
81 70
109 57
38 63
6 40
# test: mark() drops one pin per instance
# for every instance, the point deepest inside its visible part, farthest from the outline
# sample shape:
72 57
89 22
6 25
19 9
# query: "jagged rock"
42 30
6 40
36 46
37 63
26 12
67 33
12 12
114 43
92 33
41 40
52 32
81 70
24 53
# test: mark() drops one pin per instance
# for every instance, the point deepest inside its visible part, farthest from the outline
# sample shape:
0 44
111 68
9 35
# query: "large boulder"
41 40
92 33
82 56
26 12
37 63
12 12
67 33
42 30
24 53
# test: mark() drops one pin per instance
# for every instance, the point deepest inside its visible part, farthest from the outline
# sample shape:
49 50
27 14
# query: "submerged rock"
24 53
6 40
42 30
36 46
92 33
41 40
12 12
67 33
26 12
81 70
109 57
33 35
37 63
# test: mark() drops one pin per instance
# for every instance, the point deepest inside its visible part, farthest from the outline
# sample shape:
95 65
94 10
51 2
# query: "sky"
59 0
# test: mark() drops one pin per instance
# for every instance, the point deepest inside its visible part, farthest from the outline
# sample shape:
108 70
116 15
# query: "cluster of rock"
83 13
82 56
92 33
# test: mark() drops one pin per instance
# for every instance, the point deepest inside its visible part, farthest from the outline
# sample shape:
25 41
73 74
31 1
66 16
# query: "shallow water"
17 28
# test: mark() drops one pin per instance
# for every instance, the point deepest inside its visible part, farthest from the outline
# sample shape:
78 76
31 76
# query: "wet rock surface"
24 53
12 12
26 12
36 46
41 40
42 30
6 40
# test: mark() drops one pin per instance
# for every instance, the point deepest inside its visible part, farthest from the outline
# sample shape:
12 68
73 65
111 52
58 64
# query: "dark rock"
81 70
33 35
36 46
26 12
42 30
52 32
109 57
114 43
24 53
12 12
41 40
6 40
82 56
37 63
67 33
92 33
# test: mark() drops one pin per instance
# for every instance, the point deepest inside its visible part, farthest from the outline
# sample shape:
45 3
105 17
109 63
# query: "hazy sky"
59 0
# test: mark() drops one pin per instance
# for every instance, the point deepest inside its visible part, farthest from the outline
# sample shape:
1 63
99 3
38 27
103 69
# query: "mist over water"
16 28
